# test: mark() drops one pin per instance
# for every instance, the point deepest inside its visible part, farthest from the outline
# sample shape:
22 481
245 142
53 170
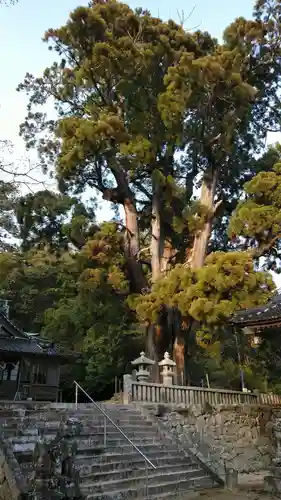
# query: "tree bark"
124 195
201 240
168 254
199 250
155 259
155 245
179 356
151 351
132 246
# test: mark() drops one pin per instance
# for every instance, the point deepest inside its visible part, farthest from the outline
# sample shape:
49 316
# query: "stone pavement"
241 494
250 488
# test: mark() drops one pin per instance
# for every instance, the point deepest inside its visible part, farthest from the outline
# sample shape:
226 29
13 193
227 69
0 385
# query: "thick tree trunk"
199 250
132 246
179 356
167 255
155 245
124 195
155 259
201 240
152 352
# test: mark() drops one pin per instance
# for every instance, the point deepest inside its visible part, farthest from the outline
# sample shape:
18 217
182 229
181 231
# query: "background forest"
170 126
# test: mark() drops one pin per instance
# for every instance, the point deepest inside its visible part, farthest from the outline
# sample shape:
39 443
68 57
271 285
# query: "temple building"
29 365
258 319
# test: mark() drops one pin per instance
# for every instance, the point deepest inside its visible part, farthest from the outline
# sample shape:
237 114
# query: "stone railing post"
127 389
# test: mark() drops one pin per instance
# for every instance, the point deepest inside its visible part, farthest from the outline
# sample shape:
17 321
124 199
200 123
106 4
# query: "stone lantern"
167 372
142 363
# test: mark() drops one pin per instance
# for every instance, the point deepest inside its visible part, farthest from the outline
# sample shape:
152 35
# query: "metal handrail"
106 417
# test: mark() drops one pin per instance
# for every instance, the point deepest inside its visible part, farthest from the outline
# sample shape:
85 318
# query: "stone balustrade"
139 389
269 399
147 392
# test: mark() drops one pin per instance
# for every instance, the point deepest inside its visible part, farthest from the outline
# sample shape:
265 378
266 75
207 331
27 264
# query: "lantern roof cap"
142 360
167 361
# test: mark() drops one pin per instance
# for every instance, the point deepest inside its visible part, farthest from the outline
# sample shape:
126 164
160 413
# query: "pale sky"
22 27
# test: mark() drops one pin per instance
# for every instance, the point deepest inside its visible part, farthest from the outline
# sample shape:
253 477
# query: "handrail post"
104 432
146 472
76 396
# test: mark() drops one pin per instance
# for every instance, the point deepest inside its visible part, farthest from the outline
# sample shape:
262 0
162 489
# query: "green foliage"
8 228
40 216
257 218
87 322
147 113
227 282
206 299
53 220
75 300
113 109
33 282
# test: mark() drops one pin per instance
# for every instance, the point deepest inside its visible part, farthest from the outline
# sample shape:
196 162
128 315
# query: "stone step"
85 441
122 457
21 444
170 486
97 432
86 465
134 430
120 422
96 411
116 471
86 407
146 448
30 417
130 473
140 480
84 430
90 420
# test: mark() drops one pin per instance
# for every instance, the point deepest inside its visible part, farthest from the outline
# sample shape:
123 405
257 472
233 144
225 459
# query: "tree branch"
258 252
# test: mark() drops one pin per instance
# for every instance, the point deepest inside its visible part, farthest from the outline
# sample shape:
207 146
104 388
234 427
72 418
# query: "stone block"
272 485
231 479
5 492
2 475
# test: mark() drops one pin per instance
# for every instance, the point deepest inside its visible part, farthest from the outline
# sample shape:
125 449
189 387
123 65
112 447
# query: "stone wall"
12 482
273 480
223 437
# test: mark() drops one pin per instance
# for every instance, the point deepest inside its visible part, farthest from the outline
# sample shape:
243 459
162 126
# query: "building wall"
8 389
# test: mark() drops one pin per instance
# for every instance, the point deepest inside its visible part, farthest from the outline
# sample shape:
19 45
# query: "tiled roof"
20 346
262 315
14 340
9 329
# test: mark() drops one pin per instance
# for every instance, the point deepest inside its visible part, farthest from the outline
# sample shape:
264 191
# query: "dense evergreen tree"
256 222
148 115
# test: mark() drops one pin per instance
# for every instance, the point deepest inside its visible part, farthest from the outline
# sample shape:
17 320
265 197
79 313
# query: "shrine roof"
24 347
14 340
267 315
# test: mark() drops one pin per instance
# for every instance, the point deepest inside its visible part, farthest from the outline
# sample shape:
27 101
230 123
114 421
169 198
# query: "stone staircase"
116 470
